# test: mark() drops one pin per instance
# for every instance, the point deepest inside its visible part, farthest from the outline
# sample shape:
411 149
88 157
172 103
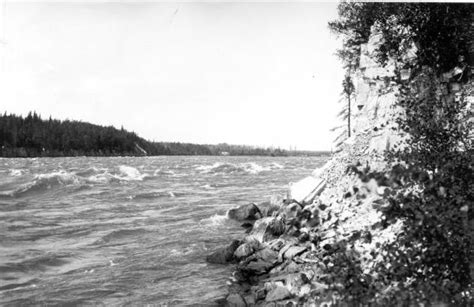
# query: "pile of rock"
292 246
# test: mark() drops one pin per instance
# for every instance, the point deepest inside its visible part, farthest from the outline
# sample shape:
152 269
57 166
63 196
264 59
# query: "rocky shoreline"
317 242
292 247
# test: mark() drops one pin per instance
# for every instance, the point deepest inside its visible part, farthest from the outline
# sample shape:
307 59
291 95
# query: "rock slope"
293 249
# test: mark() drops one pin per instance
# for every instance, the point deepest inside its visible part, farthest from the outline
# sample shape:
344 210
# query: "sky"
261 74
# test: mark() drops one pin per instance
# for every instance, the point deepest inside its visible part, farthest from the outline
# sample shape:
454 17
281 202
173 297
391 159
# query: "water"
126 230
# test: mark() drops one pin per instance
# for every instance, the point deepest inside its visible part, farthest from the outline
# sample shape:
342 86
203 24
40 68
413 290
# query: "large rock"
267 254
258 267
305 190
277 294
294 251
245 212
225 254
260 262
266 229
235 300
246 249
292 211
268 208
294 282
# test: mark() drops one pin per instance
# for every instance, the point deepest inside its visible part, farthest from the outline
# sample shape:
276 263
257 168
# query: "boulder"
250 299
294 251
245 212
246 249
294 282
266 229
292 211
260 293
235 300
305 290
283 250
267 254
292 267
305 190
267 208
258 267
276 244
277 294
307 276
260 262
303 237
225 254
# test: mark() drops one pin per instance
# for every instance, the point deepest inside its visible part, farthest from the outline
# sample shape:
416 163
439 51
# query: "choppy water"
126 230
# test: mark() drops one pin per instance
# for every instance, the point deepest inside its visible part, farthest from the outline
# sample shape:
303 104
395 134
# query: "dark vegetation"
34 137
441 30
344 131
431 184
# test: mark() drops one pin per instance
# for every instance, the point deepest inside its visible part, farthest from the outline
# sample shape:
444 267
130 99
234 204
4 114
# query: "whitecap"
42 182
254 168
129 173
208 168
215 220
275 165
62 177
99 178
229 168
16 172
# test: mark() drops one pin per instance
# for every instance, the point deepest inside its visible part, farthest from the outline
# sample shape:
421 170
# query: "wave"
88 172
152 195
129 173
44 182
100 178
39 263
229 168
215 220
125 173
187 250
16 172
121 234
15 286
275 165
92 175
163 172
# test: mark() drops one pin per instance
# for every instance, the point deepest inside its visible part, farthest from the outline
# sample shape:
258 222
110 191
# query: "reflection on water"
125 230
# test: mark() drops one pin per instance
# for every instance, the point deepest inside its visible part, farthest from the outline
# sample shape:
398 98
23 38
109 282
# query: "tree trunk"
349 115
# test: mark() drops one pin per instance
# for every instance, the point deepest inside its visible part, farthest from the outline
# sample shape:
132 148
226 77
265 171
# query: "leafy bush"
431 184
441 30
430 260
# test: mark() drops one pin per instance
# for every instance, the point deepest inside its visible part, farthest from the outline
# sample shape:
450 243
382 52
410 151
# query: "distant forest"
34 137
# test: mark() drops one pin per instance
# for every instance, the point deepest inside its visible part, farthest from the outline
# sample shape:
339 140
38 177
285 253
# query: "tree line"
32 136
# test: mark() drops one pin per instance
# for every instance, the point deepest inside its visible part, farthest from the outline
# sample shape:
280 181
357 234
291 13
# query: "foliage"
345 113
430 260
430 186
440 30
32 137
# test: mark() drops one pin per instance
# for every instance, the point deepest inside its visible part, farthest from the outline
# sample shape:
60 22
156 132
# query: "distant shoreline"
315 154
33 136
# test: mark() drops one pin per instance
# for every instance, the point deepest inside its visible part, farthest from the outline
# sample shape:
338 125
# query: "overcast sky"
249 73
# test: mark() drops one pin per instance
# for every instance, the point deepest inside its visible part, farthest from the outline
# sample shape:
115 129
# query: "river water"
127 230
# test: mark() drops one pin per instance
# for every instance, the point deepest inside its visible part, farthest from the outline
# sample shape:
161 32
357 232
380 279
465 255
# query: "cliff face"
292 254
